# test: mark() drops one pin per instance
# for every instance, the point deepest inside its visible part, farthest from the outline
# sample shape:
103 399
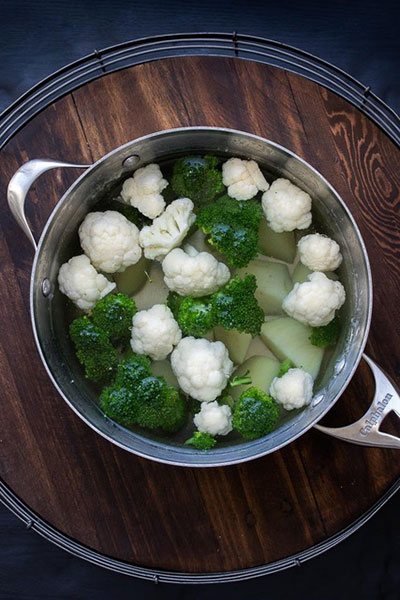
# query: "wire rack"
136 52
246 47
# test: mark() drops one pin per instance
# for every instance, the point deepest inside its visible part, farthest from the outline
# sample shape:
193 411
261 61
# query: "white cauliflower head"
214 419
168 230
143 190
293 390
286 207
201 367
192 273
319 252
110 241
155 332
243 178
80 281
315 301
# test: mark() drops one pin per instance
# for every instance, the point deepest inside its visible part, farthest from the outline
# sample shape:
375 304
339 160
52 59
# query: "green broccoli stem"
241 380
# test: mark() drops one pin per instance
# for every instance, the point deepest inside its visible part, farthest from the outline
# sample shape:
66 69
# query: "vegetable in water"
201 441
195 316
285 366
232 227
326 335
243 178
133 278
255 415
143 190
197 178
236 307
288 338
93 349
237 343
192 273
273 284
119 404
261 369
315 301
214 418
138 397
114 315
81 283
278 245
319 252
110 241
293 389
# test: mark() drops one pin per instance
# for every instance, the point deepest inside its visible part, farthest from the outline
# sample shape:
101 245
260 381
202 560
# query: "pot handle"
365 431
20 183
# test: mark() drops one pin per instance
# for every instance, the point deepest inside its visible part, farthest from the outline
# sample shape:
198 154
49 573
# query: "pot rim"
257 454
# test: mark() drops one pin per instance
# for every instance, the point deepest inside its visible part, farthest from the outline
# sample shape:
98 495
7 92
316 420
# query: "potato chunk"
288 338
236 342
273 284
262 370
278 245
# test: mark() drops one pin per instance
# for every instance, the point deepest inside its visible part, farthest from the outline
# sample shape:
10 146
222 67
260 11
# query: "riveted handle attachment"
365 431
20 184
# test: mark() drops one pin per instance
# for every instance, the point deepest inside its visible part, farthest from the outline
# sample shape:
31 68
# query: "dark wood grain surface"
177 518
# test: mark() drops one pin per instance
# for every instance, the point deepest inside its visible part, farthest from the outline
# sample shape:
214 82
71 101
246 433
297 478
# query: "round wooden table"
181 524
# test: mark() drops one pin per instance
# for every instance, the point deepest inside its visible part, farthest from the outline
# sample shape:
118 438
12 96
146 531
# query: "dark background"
362 38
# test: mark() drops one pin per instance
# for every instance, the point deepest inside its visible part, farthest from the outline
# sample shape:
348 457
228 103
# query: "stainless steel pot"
59 241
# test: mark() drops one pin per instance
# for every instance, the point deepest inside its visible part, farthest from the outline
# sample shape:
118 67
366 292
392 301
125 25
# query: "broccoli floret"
232 227
202 441
197 178
119 404
93 349
132 370
196 316
236 306
114 315
159 406
325 335
241 380
174 302
255 414
139 398
284 367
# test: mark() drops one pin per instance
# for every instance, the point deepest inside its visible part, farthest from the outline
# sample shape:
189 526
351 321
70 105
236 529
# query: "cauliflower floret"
286 207
110 241
243 178
80 281
201 367
168 230
143 190
314 302
319 252
155 332
293 389
192 273
214 419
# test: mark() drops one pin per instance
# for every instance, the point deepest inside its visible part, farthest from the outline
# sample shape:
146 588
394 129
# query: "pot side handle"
365 431
20 184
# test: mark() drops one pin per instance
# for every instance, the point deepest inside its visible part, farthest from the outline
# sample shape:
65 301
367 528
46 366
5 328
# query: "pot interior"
51 315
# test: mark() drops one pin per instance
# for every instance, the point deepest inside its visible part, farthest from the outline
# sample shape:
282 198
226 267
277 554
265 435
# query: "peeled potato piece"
262 370
273 284
301 272
133 278
288 338
236 342
278 245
